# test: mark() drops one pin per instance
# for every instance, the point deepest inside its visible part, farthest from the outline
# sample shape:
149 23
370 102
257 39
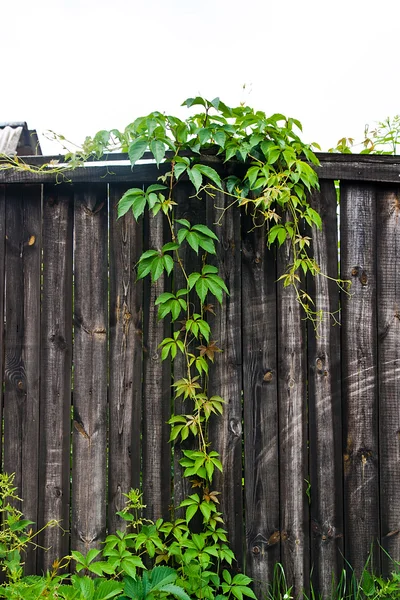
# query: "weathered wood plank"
2 287
325 422
260 406
351 167
156 451
293 433
55 385
191 208
90 368
225 376
22 346
359 373
126 341
388 305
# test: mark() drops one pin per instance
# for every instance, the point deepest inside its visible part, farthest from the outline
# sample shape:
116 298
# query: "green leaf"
137 149
168 263
157 268
219 138
195 177
193 241
204 135
193 277
183 222
127 200
205 231
209 269
163 298
220 282
210 173
176 591
158 149
179 168
161 576
194 101
107 589
201 288
156 187
91 555
315 217
138 206
207 244
252 175
190 512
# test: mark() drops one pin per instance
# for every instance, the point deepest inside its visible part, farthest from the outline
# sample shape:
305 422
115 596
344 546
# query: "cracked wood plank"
293 433
22 346
325 419
260 405
156 407
226 373
126 337
388 306
359 374
55 385
90 367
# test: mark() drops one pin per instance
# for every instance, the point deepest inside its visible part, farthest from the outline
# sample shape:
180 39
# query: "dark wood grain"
388 306
324 393
90 368
260 405
293 433
359 373
225 377
157 393
350 167
126 340
22 346
55 384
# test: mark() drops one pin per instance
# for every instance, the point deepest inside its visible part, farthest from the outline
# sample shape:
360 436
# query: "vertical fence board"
2 282
388 303
260 407
325 401
55 385
22 346
226 374
194 210
156 450
90 368
293 434
359 373
126 336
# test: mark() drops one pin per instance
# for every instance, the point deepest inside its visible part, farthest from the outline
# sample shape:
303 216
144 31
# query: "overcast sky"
80 66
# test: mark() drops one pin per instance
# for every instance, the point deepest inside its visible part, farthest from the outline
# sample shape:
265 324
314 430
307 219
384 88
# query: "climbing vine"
264 167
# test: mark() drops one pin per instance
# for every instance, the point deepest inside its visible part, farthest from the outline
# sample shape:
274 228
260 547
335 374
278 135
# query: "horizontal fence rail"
310 436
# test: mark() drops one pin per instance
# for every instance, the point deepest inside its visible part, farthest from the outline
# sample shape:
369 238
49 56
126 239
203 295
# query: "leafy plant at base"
15 531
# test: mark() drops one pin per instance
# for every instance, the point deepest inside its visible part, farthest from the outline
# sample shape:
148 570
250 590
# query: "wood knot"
256 550
268 376
235 427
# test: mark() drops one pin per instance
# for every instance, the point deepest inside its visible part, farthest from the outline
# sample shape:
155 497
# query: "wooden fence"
311 423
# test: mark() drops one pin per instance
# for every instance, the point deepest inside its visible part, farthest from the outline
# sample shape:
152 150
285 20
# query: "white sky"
80 66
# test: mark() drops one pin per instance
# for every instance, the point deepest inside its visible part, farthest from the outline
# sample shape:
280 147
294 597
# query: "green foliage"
383 138
158 583
15 531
